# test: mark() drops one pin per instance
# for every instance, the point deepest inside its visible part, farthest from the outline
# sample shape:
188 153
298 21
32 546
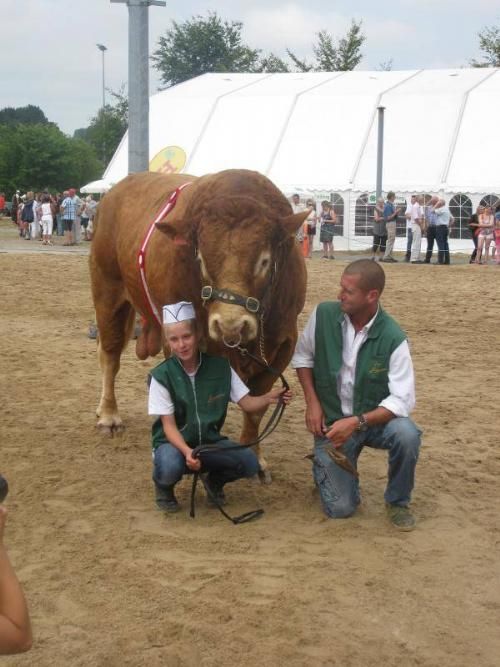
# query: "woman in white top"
485 237
47 220
310 222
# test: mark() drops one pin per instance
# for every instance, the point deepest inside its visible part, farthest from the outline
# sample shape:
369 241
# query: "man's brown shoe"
401 517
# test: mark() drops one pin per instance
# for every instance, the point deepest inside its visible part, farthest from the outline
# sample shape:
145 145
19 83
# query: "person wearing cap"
189 394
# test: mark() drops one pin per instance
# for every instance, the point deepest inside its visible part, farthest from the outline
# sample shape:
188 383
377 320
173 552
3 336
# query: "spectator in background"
485 237
69 207
311 222
59 216
328 219
430 221
409 233
497 233
27 215
417 228
379 230
2 203
297 207
15 626
474 231
47 219
444 220
88 211
390 216
16 200
37 211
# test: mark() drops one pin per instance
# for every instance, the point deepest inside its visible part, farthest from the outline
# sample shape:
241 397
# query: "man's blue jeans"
169 464
339 490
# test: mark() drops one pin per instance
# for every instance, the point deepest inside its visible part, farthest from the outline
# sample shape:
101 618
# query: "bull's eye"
263 264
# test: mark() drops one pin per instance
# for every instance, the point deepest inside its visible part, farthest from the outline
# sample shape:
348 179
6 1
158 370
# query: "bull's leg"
115 324
260 385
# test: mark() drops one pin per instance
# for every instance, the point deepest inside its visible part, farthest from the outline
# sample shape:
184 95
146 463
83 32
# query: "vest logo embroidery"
377 367
215 397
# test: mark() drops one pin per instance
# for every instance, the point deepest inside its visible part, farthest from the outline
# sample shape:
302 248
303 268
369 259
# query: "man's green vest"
200 411
371 384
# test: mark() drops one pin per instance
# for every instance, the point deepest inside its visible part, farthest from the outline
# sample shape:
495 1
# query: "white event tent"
315 134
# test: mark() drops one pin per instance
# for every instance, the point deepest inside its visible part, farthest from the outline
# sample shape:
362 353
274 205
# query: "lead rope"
267 430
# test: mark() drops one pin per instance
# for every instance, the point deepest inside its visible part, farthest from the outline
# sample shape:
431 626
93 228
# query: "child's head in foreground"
181 331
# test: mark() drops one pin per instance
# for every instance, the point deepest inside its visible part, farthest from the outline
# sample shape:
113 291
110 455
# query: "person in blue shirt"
390 216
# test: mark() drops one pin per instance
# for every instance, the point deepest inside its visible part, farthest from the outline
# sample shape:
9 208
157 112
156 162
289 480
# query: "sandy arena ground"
112 582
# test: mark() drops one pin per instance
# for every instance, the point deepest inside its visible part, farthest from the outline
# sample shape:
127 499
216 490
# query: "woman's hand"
191 462
280 393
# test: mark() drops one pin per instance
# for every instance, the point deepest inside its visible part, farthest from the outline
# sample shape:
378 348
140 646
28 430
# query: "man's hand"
315 419
192 463
342 430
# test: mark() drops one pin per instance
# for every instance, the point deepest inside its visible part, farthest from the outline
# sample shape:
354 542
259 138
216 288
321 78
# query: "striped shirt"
70 205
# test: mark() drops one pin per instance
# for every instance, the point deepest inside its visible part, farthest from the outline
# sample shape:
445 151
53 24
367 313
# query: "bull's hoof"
265 476
110 427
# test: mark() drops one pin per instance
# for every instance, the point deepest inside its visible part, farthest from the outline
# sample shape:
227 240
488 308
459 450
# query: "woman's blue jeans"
169 464
339 490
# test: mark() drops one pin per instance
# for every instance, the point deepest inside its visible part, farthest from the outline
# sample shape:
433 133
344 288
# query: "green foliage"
489 43
107 127
331 58
346 56
301 65
272 63
203 45
37 156
27 114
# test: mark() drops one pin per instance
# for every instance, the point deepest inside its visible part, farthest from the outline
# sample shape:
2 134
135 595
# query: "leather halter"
209 293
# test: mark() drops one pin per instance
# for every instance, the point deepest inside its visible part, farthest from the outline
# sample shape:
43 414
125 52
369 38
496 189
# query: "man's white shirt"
401 399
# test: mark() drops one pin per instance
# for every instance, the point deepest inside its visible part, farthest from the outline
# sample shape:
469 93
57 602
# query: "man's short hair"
391 194
371 274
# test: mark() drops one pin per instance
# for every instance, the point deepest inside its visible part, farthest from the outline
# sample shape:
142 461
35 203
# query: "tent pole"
380 150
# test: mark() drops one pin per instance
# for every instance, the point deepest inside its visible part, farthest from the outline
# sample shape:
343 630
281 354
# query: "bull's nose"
231 331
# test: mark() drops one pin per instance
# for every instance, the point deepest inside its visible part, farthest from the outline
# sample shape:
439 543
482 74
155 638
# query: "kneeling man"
355 368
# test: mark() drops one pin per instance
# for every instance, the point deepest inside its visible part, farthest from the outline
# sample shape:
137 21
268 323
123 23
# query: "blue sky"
50 58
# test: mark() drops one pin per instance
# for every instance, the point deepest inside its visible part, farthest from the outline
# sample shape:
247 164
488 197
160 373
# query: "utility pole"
138 82
102 49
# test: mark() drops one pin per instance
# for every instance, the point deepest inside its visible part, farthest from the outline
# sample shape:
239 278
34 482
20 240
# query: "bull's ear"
292 222
176 232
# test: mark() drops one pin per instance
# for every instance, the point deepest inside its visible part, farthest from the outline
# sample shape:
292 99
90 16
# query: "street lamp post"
138 83
103 48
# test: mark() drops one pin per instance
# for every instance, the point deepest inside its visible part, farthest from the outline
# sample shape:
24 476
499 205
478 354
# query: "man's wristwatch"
362 424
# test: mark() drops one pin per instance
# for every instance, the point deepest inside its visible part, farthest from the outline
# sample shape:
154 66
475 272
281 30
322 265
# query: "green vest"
371 383
200 411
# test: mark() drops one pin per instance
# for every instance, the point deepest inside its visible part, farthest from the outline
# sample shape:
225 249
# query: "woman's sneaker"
165 499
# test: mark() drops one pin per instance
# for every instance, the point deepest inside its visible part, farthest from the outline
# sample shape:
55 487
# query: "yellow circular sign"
170 160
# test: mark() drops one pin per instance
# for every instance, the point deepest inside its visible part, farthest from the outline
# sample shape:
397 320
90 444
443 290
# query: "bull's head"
238 244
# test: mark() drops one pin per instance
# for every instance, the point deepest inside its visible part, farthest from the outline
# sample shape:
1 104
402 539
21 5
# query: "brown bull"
232 230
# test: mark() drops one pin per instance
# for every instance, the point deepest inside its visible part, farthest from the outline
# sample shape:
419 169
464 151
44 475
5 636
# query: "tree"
28 114
489 43
331 58
272 63
203 45
346 56
107 127
36 156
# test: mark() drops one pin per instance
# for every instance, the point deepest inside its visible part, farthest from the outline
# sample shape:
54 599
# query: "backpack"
27 213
